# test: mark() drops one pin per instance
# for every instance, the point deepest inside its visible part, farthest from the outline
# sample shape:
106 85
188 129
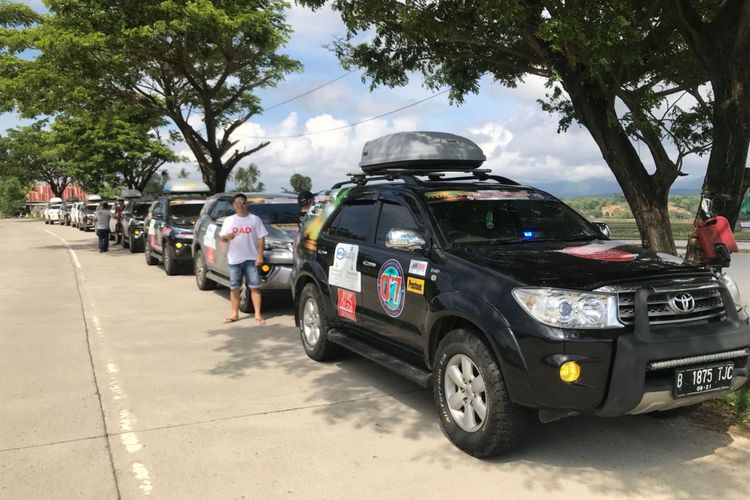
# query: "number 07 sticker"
391 288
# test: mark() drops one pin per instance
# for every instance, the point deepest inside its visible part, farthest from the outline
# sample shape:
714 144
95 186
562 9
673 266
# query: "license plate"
703 379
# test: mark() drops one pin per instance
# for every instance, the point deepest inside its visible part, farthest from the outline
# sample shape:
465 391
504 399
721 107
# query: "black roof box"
420 150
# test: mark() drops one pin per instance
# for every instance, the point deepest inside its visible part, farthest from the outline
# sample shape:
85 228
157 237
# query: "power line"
351 124
300 95
308 92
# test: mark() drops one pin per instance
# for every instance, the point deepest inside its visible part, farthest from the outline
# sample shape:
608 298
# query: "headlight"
734 291
569 309
278 245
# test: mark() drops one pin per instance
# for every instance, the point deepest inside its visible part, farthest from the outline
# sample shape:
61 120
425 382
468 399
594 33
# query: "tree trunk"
646 194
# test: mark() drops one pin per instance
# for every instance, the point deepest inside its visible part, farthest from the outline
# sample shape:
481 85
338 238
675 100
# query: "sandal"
260 321
230 320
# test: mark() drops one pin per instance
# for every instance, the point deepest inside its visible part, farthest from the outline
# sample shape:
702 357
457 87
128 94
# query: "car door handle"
368 263
322 252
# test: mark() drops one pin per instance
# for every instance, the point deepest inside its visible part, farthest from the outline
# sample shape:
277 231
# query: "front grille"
708 305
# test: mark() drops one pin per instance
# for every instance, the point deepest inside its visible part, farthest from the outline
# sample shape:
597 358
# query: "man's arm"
261 246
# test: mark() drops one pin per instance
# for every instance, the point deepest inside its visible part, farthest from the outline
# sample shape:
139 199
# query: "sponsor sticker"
210 255
391 288
347 305
209 239
605 251
343 273
415 285
418 267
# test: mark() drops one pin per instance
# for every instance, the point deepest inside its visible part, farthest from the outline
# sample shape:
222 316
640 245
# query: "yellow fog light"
570 371
265 268
137 232
178 245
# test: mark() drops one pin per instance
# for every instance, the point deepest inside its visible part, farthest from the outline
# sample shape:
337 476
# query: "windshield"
275 213
505 216
141 209
179 209
91 207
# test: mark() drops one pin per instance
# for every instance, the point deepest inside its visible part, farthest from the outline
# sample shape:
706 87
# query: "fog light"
178 245
570 371
137 232
265 268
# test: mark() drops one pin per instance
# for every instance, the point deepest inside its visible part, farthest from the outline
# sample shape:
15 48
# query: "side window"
393 215
353 221
222 208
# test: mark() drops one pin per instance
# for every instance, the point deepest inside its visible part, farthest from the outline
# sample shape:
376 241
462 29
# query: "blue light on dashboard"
528 234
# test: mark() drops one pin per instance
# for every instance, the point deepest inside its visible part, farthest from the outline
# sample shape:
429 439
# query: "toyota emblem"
682 303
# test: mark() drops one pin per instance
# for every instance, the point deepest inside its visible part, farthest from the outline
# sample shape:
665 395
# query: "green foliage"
300 183
247 179
178 57
12 196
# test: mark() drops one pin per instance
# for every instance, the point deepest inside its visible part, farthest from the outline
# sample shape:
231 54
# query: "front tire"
201 272
314 325
475 411
170 264
150 259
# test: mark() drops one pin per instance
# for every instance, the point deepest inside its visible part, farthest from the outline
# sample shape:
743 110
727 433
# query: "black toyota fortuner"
505 300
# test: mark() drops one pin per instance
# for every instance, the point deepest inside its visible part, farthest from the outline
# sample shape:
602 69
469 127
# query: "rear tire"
314 325
475 411
201 271
246 302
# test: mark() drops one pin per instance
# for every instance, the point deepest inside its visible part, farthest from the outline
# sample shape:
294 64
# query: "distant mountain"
606 187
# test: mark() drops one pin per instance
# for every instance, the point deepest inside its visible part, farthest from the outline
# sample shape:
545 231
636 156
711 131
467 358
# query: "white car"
52 212
74 213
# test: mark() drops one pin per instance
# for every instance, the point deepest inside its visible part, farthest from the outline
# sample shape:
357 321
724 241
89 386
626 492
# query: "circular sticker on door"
391 288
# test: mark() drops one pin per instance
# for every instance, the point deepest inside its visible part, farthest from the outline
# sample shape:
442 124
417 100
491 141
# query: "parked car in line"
75 208
169 227
86 215
52 210
65 214
132 224
504 300
279 213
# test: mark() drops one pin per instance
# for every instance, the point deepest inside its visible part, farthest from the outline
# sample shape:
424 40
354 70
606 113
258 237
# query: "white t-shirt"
244 246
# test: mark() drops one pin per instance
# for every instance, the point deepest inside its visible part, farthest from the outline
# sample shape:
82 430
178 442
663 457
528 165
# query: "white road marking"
129 439
65 242
141 474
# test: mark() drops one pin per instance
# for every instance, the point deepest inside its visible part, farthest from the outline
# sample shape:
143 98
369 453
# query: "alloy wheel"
311 322
465 393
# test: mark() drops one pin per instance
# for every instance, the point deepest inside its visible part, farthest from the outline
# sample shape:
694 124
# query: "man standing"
101 219
119 208
245 234
304 199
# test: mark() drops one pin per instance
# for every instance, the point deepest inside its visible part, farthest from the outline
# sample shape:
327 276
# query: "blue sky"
519 140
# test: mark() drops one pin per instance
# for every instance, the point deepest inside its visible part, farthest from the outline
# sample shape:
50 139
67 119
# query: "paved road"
117 381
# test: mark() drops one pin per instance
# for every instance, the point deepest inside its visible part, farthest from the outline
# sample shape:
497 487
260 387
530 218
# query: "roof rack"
410 176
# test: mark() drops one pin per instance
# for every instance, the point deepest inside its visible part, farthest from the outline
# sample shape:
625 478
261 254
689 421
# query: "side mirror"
404 239
158 214
603 228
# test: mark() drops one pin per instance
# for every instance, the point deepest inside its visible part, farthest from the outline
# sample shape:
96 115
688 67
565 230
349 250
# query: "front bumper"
616 373
183 252
278 278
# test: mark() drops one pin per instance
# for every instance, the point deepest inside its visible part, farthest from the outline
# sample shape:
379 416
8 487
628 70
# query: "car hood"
583 265
281 232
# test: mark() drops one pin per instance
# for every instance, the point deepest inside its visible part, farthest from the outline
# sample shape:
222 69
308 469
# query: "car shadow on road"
630 456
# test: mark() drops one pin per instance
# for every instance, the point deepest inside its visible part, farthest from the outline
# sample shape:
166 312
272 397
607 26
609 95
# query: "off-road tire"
201 269
171 266
505 423
323 349
150 259
246 301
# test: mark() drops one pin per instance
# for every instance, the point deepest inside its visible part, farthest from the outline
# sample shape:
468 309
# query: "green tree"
29 154
300 183
119 146
247 179
183 174
615 67
12 195
184 59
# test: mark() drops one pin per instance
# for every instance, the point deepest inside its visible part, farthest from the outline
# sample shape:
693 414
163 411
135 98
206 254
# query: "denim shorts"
246 269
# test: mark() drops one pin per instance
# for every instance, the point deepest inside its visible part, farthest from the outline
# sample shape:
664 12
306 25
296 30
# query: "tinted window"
393 215
353 222
140 209
180 209
275 213
222 208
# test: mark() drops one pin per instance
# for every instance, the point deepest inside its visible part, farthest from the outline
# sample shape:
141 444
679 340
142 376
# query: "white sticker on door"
343 273
418 267
209 239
